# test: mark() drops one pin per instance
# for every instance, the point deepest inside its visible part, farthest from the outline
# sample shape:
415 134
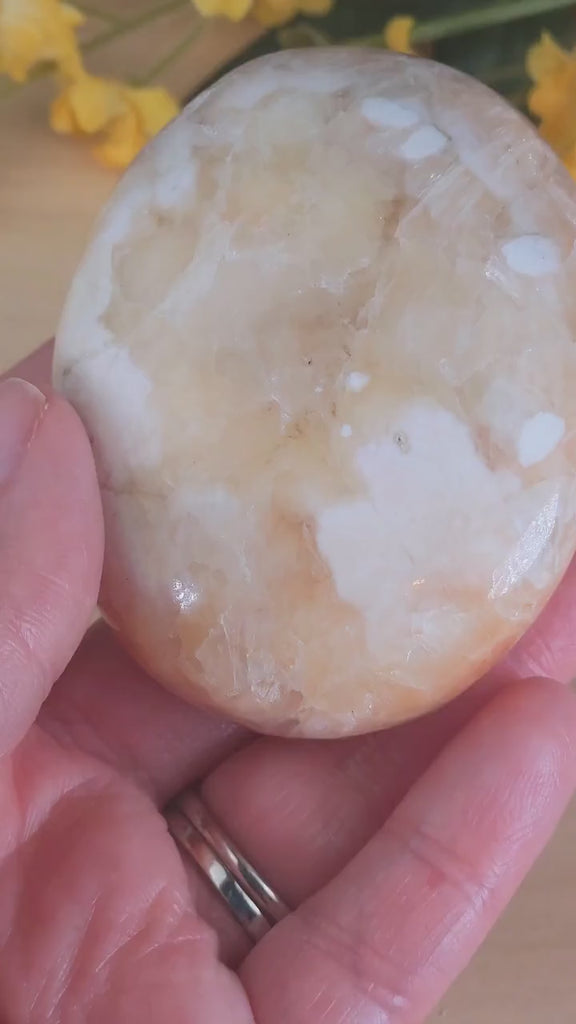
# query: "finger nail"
21 407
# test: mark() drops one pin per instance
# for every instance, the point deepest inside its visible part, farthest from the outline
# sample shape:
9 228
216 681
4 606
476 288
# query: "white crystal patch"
425 141
371 540
114 391
384 113
539 437
532 255
356 381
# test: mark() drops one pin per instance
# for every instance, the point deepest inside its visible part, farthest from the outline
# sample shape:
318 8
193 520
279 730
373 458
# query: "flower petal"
155 108
552 100
72 16
398 34
62 120
96 102
316 7
122 141
546 58
233 9
274 12
35 31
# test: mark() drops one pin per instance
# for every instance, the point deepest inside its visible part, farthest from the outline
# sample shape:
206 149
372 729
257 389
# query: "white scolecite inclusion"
323 341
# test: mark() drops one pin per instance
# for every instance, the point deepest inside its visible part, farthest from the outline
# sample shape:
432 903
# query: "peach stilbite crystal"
323 343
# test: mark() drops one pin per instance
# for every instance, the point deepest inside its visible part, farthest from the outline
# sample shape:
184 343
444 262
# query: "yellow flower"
398 34
233 9
121 119
277 12
267 12
553 98
34 31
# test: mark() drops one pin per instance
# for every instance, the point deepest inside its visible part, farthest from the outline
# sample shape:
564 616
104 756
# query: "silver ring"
250 899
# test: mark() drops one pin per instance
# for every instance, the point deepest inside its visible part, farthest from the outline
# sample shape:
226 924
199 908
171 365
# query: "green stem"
302 34
124 27
470 21
168 59
485 17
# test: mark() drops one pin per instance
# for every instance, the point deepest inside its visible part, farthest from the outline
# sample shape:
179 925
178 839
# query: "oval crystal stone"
323 343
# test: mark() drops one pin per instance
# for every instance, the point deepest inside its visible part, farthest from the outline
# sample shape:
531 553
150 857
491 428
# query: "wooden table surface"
50 191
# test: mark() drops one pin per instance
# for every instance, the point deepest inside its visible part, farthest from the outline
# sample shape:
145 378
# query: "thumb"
51 541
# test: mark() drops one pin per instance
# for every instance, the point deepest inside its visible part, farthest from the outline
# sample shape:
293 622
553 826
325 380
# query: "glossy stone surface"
323 342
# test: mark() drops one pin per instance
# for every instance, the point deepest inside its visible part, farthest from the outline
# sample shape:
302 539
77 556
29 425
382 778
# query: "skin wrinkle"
67 973
163 949
446 868
37 426
21 634
92 920
72 719
31 834
346 1014
18 642
74 794
147 910
542 658
105 970
354 962
90 739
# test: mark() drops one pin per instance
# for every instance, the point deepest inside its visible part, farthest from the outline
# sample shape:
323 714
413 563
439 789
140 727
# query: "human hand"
398 850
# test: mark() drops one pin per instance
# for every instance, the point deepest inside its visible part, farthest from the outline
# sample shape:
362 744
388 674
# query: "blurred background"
51 189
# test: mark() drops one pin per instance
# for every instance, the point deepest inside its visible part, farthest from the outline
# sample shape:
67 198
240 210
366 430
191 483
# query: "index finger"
385 939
